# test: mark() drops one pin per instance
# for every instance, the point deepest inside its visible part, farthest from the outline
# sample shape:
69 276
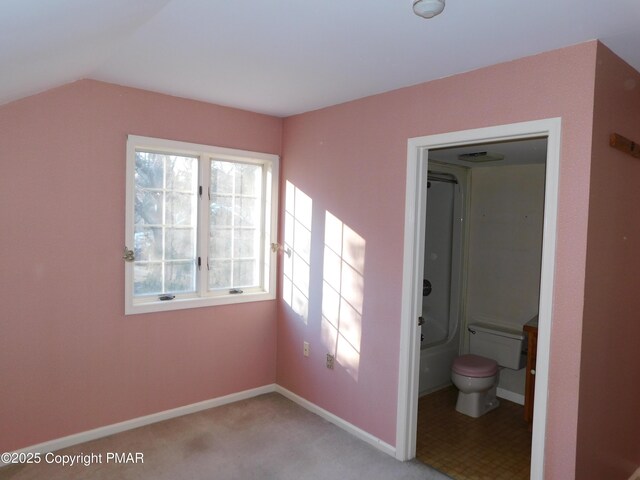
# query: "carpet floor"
266 437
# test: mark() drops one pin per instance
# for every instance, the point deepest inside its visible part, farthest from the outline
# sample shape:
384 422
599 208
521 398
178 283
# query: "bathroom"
485 210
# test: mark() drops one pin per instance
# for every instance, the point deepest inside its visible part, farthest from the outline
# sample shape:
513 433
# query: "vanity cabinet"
531 329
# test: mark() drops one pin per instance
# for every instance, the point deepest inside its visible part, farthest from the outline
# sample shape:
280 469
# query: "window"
200 223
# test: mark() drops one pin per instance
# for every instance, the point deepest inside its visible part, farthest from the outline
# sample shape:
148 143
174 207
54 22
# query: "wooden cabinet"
531 329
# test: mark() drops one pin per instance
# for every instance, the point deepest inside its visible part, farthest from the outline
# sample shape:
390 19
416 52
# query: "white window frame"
202 297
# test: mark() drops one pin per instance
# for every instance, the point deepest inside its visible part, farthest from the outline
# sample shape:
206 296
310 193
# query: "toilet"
476 374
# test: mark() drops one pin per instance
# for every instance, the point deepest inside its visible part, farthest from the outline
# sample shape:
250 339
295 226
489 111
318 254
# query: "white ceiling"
283 57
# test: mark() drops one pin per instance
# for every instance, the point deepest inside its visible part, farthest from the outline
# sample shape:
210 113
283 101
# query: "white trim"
185 148
107 430
545 309
202 297
339 422
511 396
417 159
409 368
196 302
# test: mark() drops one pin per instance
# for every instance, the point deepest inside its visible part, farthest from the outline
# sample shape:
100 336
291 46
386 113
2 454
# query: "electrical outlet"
330 360
305 349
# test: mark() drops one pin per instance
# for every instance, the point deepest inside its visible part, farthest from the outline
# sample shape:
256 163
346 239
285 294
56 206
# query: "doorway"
501 222
415 215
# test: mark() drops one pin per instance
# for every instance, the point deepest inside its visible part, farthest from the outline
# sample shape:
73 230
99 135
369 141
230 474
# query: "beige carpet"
267 437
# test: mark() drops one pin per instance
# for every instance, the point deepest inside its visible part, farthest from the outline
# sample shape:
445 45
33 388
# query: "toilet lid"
474 366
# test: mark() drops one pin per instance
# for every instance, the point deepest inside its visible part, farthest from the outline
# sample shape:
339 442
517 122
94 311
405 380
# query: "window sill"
195 302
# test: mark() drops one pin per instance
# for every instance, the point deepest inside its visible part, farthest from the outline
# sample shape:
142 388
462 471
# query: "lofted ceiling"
283 57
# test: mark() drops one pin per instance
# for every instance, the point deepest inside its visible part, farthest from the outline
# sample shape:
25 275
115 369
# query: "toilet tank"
498 343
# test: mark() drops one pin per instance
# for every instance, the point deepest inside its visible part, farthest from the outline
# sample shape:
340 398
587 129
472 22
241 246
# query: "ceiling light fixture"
428 8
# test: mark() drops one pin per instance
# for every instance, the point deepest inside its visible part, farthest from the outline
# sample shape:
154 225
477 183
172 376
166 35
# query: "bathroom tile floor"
496 446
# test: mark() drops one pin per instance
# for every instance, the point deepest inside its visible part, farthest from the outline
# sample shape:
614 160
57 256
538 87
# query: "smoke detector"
428 8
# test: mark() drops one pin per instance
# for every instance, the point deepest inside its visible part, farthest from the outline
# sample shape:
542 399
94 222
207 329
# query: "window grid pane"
165 223
235 213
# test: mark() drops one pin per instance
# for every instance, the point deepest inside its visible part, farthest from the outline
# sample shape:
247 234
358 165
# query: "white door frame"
413 265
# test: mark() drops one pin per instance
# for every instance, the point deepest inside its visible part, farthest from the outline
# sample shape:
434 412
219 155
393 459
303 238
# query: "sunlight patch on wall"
297 237
343 293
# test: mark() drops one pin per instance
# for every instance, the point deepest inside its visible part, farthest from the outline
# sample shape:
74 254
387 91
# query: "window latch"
199 263
128 256
235 291
275 247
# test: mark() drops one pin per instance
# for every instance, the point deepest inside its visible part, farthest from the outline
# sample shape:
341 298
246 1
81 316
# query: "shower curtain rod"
437 177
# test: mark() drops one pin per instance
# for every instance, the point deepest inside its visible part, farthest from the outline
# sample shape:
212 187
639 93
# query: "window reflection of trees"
165 222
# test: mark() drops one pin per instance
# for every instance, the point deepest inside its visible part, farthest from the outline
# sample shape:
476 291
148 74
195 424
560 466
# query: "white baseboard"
343 424
68 441
105 431
511 396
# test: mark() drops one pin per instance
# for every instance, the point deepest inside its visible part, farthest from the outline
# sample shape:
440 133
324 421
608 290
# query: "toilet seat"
474 366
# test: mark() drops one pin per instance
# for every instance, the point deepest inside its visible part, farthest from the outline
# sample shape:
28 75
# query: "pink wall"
351 160
72 361
609 413
69 359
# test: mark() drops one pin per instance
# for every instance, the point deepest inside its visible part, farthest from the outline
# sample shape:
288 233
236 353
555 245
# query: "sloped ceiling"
283 57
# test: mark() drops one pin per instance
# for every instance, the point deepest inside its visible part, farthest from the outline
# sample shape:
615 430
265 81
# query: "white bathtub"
435 363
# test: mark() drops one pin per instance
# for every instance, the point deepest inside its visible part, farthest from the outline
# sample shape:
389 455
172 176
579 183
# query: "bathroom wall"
608 413
70 360
505 244
505 252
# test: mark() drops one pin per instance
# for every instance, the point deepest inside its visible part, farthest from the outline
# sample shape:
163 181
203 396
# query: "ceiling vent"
480 157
